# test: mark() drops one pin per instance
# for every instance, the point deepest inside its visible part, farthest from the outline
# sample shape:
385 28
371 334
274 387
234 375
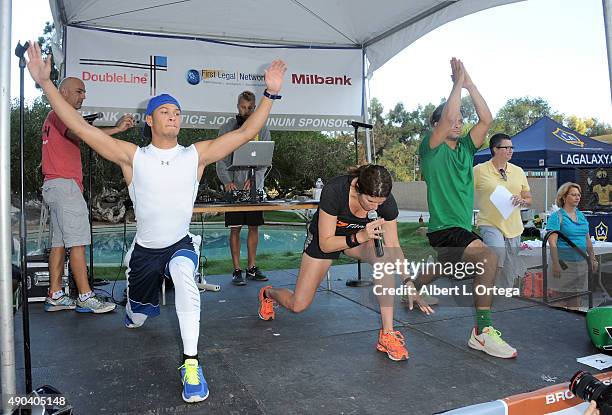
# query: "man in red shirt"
63 193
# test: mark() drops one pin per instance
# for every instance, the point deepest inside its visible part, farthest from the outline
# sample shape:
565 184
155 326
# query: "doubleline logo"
156 64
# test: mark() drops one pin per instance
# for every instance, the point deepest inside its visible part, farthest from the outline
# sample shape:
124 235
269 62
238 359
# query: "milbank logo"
316 79
195 76
569 138
149 76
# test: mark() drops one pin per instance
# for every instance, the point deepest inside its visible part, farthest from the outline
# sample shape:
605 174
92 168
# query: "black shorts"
312 248
244 218
451 243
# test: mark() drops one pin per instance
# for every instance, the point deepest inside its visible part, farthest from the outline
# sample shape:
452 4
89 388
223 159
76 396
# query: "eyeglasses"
506 147
503 174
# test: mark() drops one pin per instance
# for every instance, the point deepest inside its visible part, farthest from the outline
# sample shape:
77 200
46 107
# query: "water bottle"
318 188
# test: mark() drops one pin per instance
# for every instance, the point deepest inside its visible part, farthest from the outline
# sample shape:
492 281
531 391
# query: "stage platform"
322 361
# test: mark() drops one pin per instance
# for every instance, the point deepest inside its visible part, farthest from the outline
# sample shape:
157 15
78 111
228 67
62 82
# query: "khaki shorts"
510 265
68 215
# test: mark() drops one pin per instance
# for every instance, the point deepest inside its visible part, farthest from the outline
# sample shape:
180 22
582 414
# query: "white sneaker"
490 342
94 305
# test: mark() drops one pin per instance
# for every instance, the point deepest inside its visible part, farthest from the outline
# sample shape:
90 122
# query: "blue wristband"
271 96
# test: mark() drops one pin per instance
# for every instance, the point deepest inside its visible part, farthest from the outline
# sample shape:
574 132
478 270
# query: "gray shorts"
68 213
510 265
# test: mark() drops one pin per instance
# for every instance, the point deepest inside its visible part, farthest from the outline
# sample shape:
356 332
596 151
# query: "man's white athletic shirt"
163 190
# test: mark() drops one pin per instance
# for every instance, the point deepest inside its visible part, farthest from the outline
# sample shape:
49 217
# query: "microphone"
92 117
379 249
356 124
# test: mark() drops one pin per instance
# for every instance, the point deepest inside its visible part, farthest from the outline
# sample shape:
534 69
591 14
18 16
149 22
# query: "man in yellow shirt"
503 235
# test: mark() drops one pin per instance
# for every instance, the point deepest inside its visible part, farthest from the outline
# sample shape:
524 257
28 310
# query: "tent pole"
607 13
364 106
546 189
7 331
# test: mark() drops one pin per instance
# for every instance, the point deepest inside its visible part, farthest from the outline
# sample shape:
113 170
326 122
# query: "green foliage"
587 126
34 117
302 156
519 113
45 41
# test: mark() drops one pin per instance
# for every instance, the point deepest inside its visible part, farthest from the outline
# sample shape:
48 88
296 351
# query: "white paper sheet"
502 200
598 361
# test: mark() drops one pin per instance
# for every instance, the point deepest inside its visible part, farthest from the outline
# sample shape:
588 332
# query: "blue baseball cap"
155 103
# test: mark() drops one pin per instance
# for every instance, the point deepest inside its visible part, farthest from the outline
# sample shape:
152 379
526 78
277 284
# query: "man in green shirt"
447 157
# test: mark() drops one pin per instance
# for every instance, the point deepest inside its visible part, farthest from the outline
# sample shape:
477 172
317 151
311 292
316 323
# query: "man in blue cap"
163 180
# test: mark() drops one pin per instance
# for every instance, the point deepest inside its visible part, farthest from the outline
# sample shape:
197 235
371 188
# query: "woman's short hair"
564 190
372 180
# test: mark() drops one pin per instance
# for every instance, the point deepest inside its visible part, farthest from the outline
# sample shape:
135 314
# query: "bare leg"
252 241
478 252
312 272
234 240
364 252
79 268
56 268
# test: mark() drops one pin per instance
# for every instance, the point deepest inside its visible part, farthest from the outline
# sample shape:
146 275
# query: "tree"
45 42
587 126
397 115
300 157
376 111
519 113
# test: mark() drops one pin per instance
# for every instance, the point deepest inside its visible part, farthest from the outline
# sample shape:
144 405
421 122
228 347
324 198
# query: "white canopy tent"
379 29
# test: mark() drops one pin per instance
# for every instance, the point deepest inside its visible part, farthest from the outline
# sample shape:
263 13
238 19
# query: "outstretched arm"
213 150
452 109
479 131
117 151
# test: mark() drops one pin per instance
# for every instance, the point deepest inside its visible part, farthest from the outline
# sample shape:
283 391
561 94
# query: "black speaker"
38 278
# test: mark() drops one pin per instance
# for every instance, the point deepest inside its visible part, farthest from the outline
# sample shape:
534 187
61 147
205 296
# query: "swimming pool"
110 244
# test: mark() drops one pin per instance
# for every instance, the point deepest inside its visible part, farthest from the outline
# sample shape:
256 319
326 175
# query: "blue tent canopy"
548 144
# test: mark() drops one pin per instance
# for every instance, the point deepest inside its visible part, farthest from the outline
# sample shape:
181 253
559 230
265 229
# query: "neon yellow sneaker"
195 388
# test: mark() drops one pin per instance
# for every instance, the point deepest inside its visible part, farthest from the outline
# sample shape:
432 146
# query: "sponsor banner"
214 120
321 91
568 159
553 400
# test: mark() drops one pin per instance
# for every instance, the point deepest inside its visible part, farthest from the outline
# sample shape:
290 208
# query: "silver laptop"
253 154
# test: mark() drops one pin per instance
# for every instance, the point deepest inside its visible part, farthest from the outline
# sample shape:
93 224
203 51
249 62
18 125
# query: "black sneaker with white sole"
255 274
238 278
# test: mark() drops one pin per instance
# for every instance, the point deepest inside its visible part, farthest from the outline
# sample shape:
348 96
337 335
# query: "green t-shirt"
450 183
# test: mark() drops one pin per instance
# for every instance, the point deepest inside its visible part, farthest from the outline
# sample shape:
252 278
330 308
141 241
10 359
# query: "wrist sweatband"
271 96
351 240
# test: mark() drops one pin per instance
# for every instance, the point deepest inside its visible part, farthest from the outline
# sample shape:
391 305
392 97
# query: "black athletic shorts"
451 243
244 218
312 248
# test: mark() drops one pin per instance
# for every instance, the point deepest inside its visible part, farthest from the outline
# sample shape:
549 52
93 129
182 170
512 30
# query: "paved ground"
322 361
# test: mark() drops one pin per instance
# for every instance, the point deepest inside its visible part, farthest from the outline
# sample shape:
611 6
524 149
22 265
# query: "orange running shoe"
266 305
393 344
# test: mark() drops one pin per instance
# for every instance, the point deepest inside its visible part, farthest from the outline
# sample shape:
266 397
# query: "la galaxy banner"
576 158
121 71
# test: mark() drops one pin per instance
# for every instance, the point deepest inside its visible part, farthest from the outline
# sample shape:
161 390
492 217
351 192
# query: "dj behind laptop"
250 156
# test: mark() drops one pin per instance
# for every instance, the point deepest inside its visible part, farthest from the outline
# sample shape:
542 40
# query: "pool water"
110 244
